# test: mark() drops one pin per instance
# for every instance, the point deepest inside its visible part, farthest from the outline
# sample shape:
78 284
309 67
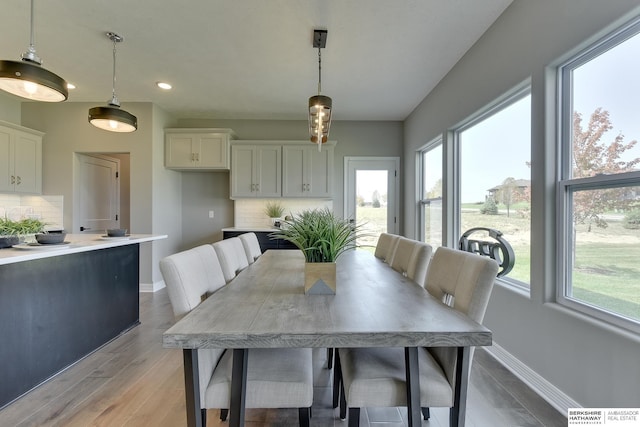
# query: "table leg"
238 387
413 386
457 414
192 387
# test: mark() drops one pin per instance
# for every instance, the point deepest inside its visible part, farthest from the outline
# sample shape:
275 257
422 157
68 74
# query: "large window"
494 153
430 188
599 187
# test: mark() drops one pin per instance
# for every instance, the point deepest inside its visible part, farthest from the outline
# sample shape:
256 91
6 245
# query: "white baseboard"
152 287
554 396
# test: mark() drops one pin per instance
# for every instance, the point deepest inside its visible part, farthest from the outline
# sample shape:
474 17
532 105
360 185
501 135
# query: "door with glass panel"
371 192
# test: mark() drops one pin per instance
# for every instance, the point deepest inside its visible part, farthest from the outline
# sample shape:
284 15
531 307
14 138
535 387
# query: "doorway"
371 195
102 184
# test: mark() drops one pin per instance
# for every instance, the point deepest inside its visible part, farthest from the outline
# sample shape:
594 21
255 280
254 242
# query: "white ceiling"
251 59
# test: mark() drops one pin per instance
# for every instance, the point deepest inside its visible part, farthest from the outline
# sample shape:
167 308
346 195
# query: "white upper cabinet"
307 172
256 171
20 159
197 149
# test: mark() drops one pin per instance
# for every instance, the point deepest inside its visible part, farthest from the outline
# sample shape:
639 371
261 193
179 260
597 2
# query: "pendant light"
29 80
319 105
111 117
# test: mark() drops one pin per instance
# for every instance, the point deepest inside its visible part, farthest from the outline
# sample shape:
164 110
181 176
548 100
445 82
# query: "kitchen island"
59 303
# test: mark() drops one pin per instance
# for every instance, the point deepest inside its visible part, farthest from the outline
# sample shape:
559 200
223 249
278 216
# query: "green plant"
489 207
273 209
18 228
319 234
632 220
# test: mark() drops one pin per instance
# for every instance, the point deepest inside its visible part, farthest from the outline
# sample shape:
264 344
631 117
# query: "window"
599 186
430 188
494 153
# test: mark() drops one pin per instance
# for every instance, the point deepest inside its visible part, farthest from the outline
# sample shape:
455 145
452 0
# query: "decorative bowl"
116 232
50 238
8 241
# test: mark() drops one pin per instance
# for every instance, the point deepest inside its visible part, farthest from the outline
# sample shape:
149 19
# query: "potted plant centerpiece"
12 232
322 237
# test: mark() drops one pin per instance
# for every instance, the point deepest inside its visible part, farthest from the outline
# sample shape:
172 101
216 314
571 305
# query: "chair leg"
329 358
343 402
304 415
224 413
354 417
203 416
425 413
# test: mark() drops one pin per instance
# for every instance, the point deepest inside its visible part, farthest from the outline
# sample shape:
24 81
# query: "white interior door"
99 193
371 194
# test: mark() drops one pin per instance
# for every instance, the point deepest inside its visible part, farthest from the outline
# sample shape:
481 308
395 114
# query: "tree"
508 193
489 207
591 158
436 190
375 199
359 200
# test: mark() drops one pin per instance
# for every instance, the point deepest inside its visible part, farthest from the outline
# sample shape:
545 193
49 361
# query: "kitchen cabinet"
20 159
307 172
256 171
197 149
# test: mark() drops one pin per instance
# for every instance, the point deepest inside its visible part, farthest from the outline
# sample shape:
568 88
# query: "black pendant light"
319 105
111 117
29 80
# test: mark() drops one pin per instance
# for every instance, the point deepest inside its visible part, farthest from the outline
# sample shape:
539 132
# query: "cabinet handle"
257 187
18 181
253 188
198 157
13 179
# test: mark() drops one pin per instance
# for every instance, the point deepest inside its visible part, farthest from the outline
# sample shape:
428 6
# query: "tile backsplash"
250 212
46 208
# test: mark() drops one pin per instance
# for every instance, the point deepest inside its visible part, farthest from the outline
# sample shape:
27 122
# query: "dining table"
265 306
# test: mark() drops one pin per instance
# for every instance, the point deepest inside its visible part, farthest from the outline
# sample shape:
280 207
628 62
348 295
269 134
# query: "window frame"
420 188
507 99
566 185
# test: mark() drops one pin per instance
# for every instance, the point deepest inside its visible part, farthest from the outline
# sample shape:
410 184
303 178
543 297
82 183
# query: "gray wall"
594 364
9 108
154 191
202 191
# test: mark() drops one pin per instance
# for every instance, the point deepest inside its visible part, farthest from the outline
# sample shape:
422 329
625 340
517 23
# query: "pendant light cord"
114 70
319 70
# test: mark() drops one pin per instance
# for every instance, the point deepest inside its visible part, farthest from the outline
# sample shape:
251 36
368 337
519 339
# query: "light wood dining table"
374 306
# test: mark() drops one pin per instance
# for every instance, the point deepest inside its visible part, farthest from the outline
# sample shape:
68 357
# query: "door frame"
348 179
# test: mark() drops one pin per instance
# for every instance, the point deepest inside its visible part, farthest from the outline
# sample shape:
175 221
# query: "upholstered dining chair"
251 246
412 259
276 378
386 246
375 377
231 256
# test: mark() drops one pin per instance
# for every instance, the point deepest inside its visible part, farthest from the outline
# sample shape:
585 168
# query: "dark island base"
54 311
264 240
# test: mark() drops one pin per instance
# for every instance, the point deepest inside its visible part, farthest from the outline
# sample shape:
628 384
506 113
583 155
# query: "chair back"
191 276
386 246
464 281
419 262
402 254
231 256
251 246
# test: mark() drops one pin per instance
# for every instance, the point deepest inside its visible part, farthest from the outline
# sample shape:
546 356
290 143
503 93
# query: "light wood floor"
133 381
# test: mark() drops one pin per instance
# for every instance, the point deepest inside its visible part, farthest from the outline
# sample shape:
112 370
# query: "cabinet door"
6 162
319 172
268 171
27 163
179 151
293 171
242 171
213 152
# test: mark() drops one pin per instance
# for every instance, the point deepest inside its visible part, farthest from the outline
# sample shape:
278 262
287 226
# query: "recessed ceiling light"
163 85
71 86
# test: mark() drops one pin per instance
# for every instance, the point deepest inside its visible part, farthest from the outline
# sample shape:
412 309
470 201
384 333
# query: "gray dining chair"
232 257
386 246
411 259
376 377
276 378
251 246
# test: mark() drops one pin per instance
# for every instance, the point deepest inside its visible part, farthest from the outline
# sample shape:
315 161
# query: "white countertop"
77 243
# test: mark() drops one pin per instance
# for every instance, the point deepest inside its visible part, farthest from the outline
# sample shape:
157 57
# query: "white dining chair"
276 378
402 254
231 256
386 246
251 246
376 377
